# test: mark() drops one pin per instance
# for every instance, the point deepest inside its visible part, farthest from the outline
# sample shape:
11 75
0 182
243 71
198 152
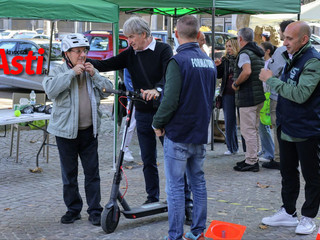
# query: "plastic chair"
41 99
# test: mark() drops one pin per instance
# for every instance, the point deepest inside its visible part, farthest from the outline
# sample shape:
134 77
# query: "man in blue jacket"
298 122
183 118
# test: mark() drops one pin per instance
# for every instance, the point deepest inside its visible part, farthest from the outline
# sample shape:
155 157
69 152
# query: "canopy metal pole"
115 32
212 56
50 46
170 39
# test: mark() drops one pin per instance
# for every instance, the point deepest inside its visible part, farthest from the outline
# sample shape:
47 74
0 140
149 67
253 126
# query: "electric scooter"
111 213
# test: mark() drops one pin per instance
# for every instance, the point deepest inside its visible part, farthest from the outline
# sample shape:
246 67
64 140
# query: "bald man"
298 128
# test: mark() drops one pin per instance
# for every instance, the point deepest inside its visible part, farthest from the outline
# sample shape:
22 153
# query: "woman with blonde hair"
225 68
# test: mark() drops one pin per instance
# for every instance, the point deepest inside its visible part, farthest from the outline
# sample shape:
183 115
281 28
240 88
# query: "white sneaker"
128 156
281 218
262 159
228 153
305 226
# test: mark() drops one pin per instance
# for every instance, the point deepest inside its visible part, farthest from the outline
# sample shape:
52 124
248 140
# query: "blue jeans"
230 119
178 159
148 147
85 146
267 145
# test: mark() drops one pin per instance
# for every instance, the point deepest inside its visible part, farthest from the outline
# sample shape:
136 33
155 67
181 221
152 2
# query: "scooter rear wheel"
107 223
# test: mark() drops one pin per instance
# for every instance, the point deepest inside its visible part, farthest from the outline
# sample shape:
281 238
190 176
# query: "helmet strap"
68 62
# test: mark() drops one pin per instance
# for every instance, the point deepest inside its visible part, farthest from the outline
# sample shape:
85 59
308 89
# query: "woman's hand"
217 61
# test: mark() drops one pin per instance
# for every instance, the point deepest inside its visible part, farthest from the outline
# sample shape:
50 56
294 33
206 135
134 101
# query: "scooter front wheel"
110 219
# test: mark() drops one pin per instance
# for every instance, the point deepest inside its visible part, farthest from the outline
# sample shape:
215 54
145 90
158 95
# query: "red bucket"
219 230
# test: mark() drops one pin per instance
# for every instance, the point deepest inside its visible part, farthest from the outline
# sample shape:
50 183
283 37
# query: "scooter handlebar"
131 94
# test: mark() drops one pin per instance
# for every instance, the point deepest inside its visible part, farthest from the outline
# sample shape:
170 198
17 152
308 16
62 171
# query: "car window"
99 44
55 50
315 40
123 44
5 33
23 35
8 46
208 39
219 41
24 48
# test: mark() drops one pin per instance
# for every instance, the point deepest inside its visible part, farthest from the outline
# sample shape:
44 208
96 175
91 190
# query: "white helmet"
74 40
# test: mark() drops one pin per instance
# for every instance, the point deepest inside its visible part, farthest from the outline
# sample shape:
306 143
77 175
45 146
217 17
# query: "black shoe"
240 163
95 219
70 217
188 219
150 201
271 165
247 167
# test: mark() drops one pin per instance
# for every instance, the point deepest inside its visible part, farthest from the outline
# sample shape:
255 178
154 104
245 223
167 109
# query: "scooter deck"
146 210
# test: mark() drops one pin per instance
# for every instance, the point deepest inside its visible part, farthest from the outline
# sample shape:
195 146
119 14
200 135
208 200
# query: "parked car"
220 39
163 35
40 36
8 34
315 41
101 44
17 34
24 34
39 30
21 47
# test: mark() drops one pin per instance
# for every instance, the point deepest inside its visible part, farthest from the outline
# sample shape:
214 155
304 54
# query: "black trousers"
307 153
86 147
148 146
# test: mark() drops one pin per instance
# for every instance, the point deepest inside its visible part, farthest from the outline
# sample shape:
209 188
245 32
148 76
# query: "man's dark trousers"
148 146
308 152
85 146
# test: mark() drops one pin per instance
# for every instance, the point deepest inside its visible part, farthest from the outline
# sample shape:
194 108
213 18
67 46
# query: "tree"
242 21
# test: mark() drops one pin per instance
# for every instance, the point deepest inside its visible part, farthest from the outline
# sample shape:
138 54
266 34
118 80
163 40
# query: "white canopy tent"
309 13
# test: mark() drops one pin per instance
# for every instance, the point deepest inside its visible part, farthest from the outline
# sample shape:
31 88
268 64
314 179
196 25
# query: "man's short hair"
246 34
305 29
284 24
188 27
136 25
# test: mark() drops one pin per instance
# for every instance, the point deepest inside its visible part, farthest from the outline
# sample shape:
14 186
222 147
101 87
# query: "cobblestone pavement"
31 204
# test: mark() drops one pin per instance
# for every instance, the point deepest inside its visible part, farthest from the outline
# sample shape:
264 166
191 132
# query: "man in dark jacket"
249 96
183 116
298 128
146 61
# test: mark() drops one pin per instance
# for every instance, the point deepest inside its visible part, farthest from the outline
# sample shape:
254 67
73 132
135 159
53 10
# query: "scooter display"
111 213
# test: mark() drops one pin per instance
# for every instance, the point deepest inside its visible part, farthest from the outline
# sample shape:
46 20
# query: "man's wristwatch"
235 85
159 89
